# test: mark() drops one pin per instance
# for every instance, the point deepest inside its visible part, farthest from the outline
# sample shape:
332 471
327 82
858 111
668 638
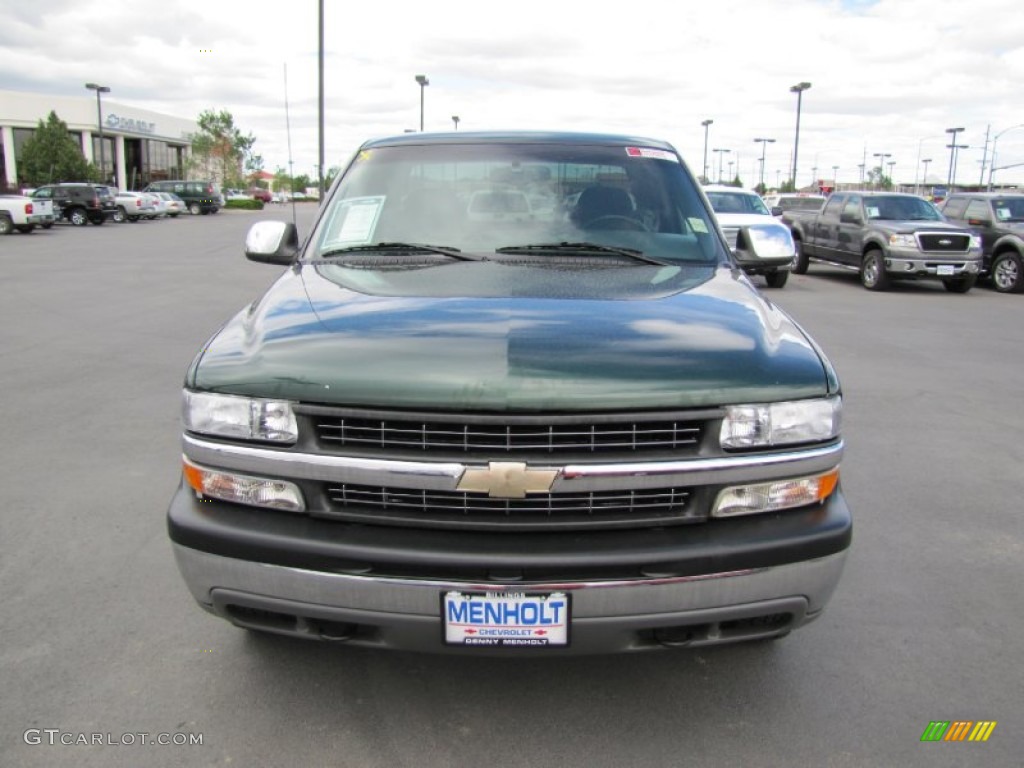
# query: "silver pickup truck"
885 237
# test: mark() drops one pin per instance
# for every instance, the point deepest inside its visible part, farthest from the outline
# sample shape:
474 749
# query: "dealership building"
139 146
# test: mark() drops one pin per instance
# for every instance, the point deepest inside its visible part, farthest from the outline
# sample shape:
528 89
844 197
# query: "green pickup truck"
514 395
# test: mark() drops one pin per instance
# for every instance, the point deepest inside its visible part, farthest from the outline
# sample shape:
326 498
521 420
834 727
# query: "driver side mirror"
766 242
272 242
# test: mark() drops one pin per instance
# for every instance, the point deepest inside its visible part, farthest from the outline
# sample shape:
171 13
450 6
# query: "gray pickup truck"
885 237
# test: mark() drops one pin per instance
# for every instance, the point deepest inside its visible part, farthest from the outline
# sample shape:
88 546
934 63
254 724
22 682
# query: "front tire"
872 271
960 284
1007 273
776 279
120 216
800 264
78 217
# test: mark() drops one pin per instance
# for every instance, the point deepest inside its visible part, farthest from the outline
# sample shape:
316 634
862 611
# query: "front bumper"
912 263
716 582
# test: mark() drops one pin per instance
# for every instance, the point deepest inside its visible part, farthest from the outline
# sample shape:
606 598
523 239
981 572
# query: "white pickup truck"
24 214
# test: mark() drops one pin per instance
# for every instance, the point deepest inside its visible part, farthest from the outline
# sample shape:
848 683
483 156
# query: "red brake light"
28 208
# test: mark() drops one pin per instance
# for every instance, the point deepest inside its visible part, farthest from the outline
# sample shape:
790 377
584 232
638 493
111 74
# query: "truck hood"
487 336
914 225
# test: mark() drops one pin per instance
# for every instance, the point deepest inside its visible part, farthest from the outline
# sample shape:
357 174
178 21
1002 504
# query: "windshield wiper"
593 248
453 253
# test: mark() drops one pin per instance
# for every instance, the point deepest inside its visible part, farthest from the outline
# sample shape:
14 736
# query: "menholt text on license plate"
499 619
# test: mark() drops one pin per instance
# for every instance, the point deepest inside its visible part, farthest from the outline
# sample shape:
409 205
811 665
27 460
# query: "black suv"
201 197
999 219
79 203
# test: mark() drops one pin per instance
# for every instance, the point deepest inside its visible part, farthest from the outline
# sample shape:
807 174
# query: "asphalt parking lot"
99 635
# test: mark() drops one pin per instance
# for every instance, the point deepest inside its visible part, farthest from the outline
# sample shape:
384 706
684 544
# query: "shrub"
245 205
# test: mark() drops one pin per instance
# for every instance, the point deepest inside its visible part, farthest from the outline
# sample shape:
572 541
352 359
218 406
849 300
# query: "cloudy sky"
888 76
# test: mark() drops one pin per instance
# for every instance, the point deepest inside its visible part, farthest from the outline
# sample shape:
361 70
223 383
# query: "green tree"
51 154
221 151
878 180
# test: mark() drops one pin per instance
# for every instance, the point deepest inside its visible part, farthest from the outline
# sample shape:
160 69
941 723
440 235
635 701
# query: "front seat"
598 202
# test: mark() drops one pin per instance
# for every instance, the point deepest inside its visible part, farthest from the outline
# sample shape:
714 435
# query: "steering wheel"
613 221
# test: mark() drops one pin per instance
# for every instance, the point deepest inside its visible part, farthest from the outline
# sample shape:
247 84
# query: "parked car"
998 219
201 197
263 195
887 236
23 214
132 206
565 435
175 205
780 204
735 208
79 202
159 205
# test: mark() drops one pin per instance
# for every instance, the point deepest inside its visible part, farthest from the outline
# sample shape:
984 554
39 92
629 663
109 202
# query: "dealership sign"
130 124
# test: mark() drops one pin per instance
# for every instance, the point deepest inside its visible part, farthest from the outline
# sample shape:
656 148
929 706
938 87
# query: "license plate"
505 619
946 269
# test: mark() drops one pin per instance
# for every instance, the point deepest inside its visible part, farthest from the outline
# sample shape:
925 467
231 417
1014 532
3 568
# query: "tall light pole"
764 145
720 153
924 176
881 163
860 167
952 152
455 119
891 163
992 164
706 123
99 119
835 177
424 82
798 89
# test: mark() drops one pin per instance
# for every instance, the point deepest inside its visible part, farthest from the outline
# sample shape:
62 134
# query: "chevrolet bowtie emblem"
507 480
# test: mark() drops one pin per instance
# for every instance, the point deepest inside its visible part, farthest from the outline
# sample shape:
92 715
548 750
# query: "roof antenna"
288 131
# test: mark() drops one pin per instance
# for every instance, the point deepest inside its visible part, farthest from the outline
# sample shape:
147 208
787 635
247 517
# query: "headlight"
243 489
775 495
903 241
770 424
975 242
244 418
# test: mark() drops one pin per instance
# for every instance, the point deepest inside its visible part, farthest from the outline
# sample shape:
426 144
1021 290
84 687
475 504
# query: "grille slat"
418 436
440 509
944 243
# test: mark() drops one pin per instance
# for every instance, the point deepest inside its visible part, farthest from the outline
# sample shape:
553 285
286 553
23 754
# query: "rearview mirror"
272 242
766 241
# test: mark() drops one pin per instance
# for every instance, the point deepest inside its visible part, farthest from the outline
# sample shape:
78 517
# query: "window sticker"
872 211
1003 214
354 221
656 154
698 226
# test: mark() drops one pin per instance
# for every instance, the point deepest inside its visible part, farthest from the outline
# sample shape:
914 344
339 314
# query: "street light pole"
455 119
764 145
798 89
952 153
992 165
706 123
835 177
891 163
424 82
881 163
720 153
99 119
924 176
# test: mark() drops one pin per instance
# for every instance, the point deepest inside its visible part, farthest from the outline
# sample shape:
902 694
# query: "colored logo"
958 730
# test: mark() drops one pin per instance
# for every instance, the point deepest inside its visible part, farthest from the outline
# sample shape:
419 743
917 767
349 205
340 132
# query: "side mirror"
849 218
761 241
776 210
272 242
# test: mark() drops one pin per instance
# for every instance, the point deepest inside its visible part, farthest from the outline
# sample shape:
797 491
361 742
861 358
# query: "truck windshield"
901 208
483 196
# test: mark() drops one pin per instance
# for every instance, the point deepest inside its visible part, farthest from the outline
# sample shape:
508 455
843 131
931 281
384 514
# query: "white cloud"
887 76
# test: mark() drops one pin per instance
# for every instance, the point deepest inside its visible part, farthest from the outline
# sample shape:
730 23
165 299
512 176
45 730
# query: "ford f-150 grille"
637 508
943 242
507 436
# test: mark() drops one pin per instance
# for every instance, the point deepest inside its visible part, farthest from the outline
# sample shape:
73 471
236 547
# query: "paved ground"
99 635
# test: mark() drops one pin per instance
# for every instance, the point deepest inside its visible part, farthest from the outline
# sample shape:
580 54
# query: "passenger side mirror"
776 210
272 242
849 218
766 241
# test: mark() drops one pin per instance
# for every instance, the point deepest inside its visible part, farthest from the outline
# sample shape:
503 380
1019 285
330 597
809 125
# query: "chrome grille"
583 436
942 242
548 511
